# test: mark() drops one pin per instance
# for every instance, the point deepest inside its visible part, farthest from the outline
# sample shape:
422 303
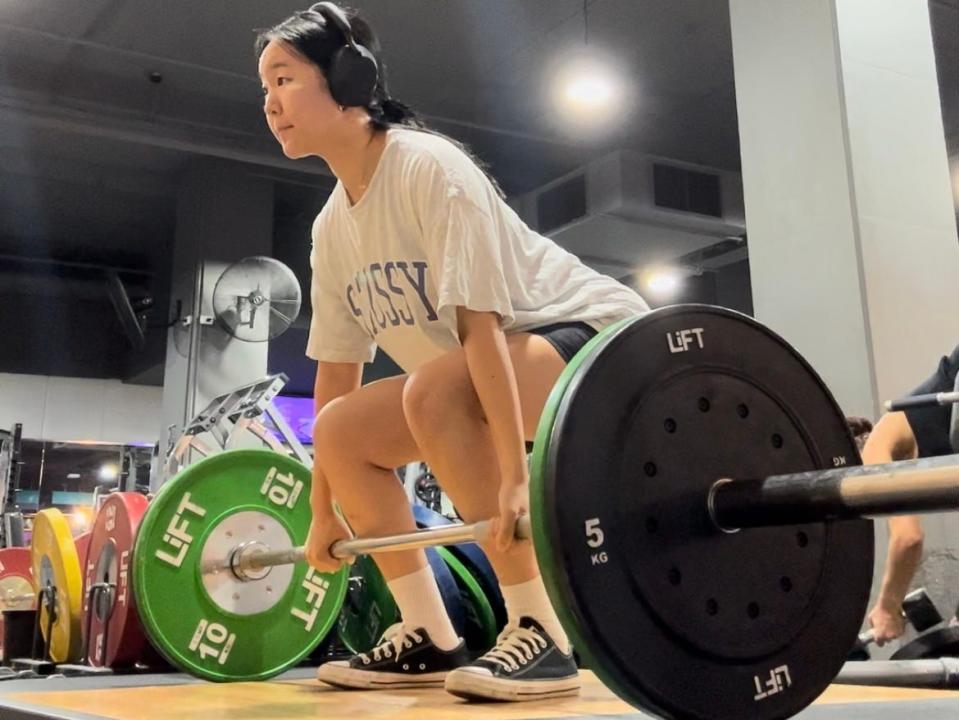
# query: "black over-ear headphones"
353 71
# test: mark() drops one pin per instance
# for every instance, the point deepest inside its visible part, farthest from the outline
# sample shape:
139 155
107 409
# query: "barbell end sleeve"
923 401
909 487
909 403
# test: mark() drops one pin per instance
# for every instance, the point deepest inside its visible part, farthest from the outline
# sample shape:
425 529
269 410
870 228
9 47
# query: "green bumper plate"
547 556
209 623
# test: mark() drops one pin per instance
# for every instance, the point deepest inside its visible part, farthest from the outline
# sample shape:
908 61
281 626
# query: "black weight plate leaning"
449 590
676 617
940 643
368 608
471 555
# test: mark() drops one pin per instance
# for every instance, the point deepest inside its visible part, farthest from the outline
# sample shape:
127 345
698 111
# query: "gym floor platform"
296 696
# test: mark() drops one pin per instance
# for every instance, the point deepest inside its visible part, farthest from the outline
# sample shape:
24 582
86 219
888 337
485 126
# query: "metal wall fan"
256 299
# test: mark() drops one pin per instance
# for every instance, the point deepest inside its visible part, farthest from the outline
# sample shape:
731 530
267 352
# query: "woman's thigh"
370 422
447 380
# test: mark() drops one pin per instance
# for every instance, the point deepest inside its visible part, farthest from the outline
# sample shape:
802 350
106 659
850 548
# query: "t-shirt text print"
379 295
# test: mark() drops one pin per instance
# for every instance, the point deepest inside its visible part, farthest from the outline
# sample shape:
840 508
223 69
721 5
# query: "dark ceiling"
92 148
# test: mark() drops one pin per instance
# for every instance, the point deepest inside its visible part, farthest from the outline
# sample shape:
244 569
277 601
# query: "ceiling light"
590 90
587 90
662 283
108 472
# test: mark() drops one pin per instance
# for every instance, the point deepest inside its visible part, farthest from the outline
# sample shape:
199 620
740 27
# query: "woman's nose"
270 104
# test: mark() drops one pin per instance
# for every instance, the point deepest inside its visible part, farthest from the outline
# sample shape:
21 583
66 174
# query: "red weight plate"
15 563
112 619
16 583
82 541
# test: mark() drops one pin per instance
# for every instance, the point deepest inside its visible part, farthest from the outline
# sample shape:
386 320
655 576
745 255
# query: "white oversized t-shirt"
430 234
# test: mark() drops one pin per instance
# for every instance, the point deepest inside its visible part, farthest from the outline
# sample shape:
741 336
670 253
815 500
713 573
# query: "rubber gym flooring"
296 695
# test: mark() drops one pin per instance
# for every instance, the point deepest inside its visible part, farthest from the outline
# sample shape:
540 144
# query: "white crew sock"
421 606
530 599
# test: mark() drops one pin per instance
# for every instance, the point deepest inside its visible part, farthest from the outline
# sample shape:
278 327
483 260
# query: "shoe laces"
516 646
395 638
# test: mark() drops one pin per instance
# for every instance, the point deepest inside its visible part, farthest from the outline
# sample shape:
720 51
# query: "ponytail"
390 111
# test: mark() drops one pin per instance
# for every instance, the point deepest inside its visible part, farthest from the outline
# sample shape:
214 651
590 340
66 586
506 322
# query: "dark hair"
317 39
860 428
312 36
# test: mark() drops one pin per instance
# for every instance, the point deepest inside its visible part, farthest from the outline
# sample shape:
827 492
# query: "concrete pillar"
849 207
223 215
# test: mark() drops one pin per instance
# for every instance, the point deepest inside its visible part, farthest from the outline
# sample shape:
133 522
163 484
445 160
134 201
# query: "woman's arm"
332 381
891 440
491 370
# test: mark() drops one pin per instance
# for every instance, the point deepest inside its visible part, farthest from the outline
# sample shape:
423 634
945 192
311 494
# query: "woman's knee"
329 429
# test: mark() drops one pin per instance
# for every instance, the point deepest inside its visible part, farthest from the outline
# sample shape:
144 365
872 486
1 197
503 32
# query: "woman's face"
296 100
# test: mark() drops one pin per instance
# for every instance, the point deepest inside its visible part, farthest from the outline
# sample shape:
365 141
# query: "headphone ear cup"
353 76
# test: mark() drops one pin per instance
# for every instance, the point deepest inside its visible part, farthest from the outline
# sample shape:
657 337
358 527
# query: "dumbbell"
919 611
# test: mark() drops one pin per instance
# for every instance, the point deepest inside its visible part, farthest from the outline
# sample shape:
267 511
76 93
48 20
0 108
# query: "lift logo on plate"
124 577
684 340
176 535
316 586
111 515
777 681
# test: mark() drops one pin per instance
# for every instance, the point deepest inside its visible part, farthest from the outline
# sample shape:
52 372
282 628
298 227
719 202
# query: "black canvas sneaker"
525 664
404 658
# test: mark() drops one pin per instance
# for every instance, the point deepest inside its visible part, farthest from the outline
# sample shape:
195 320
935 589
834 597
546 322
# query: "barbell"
929 400
697 511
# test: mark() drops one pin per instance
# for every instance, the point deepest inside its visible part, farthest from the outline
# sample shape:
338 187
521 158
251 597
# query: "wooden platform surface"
299 699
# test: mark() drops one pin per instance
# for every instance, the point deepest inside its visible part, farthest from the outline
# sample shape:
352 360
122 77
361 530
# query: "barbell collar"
246 560
864 491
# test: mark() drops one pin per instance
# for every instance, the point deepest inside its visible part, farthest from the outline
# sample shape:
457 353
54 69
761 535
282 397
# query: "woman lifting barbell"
903 435
417 252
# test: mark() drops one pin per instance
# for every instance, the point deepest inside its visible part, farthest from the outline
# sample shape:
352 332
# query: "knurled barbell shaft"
863 491
902 488
244 562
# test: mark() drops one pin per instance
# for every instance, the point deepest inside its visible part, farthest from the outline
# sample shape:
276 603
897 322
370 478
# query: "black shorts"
567 337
